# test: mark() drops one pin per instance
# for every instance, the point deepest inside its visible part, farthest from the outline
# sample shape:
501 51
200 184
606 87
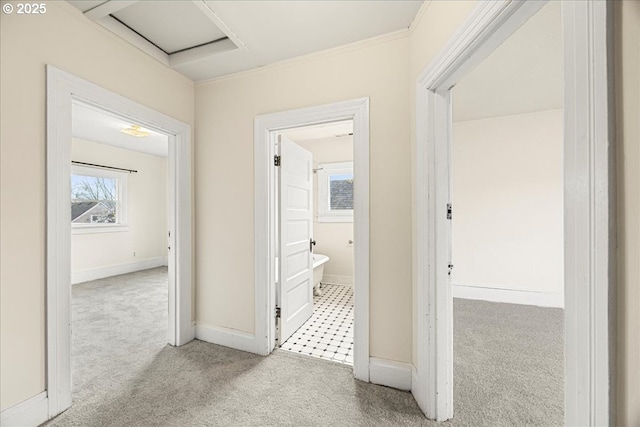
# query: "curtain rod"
104 167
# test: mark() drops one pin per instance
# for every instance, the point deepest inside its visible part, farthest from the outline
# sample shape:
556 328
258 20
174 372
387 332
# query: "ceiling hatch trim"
103 15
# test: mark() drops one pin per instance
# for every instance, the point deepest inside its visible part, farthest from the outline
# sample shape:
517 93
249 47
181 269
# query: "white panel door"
296 227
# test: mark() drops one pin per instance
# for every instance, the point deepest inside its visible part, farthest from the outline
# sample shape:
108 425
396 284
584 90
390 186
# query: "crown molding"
315 56
418 18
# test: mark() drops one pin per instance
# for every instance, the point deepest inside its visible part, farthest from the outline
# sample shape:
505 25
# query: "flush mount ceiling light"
135 130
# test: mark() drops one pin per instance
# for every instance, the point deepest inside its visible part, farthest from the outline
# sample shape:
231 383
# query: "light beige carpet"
508 371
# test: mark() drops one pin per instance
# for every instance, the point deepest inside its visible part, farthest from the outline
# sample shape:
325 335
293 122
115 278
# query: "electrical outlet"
134 254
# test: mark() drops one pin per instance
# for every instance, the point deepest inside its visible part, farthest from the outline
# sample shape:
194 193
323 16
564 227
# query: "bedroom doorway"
63 90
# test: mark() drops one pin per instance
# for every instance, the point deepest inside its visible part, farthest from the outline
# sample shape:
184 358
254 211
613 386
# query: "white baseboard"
114 270
390 373
226 337
541 299
32 412
331 279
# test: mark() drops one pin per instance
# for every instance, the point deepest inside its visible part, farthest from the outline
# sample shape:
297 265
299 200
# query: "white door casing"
265 129
296 231
62 90
588 204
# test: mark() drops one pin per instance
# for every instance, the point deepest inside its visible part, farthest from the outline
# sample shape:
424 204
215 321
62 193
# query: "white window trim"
122 206
325 214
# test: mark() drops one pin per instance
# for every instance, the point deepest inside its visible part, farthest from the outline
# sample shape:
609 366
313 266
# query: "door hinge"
276 160
277 312
449 211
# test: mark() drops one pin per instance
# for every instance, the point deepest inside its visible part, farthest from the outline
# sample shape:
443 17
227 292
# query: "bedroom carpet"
508 370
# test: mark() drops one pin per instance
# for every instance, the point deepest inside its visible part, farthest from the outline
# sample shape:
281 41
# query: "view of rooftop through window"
93 199
341 191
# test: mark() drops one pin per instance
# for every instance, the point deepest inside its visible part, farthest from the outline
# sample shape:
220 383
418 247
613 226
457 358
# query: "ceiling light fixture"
135 130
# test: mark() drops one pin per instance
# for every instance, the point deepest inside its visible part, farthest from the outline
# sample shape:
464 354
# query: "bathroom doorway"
269 160
315 198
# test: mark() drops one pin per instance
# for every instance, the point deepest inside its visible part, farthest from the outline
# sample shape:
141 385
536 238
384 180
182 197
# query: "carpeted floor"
508 364
508 371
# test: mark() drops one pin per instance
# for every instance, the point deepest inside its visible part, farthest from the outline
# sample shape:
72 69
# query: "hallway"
126 374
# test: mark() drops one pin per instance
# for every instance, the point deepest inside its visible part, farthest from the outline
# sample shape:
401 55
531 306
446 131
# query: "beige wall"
224 212
627 75
507 199
332 237
385 72
64 38
145 237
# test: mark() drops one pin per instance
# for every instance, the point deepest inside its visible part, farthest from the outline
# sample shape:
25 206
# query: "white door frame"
62 89
588 203
265 128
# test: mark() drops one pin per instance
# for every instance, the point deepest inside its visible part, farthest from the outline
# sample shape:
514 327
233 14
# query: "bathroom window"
98 200
335 192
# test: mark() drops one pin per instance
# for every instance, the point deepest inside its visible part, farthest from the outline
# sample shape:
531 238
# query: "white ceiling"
320 131
523 75
343 144
324 136
257 33
95 125
84 5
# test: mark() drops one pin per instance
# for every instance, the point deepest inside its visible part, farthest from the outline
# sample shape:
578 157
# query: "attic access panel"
170 26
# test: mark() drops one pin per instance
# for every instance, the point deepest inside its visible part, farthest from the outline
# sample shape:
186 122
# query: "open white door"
296 227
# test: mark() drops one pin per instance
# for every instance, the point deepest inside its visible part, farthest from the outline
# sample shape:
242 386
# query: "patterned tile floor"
328 334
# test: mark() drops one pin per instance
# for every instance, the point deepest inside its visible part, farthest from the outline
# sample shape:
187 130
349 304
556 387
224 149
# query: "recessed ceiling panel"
170 25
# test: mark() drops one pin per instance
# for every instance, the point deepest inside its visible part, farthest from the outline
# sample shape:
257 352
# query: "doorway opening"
119 248
267 128
588 193
64 93
314 283
507 241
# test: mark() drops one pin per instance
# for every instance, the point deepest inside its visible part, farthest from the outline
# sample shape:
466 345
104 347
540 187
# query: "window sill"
93 229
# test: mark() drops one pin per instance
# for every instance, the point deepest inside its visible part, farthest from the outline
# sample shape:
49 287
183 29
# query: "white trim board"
390 373
265 129
589 205
511 296
63 89
331 279
226 337
32 412
116 270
